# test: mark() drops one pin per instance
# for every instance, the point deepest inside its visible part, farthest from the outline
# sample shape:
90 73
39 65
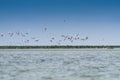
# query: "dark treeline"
47 47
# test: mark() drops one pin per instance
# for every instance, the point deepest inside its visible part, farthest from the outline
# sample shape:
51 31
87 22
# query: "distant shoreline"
61 47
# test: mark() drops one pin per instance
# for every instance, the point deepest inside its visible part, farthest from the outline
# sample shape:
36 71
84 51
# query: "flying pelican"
18 33
22 35
32 37
65 37
11 34
76 38
71 41
45 29
36 40
26 41
64 20
77 35
86 38
83 39
1 34
26 33
62 35
52 38
59 42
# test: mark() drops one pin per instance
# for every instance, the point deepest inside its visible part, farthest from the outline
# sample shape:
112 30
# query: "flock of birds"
69 38
64 38
20 34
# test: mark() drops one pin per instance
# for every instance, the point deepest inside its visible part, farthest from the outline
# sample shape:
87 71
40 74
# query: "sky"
99 20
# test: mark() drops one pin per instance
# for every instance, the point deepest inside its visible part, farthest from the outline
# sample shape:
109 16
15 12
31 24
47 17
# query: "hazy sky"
97 19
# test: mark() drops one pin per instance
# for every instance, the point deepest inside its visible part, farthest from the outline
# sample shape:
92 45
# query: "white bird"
82 39
26 41
52 38
1 34
23 35
32 37
59 42
18 33
64 20
45 29
10 34
62 35
36 40
86 38
26 33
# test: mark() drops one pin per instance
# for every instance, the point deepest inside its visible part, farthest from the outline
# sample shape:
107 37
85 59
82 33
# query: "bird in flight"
45 29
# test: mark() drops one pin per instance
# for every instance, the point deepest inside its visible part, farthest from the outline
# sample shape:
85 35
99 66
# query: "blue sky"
97 19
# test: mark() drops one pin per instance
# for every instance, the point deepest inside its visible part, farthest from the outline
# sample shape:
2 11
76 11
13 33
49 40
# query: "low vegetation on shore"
47 47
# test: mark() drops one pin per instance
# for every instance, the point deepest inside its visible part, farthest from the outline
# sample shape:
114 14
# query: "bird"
26 41
32 37
52 38
10 34
18 33
36 40
1 34
45 29
82 39
77 34
62 35
64 20
71 41
86 38
26 33
23 35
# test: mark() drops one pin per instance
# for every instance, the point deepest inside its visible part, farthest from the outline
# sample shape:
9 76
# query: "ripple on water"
60 65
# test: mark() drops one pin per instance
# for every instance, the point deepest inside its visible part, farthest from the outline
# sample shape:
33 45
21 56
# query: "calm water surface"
60 64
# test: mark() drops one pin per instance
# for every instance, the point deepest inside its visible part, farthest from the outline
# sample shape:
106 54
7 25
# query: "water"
58 64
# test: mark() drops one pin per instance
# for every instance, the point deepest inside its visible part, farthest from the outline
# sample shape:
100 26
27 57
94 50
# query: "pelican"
82 39
26 33
36 40
18 33
26 41
86 38
71 41
64 20
62 35
23 35
11 34
77 35
59 42
45 29
52 38
32 37
1 34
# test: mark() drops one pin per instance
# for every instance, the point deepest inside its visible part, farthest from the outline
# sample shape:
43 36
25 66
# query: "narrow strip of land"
52 47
